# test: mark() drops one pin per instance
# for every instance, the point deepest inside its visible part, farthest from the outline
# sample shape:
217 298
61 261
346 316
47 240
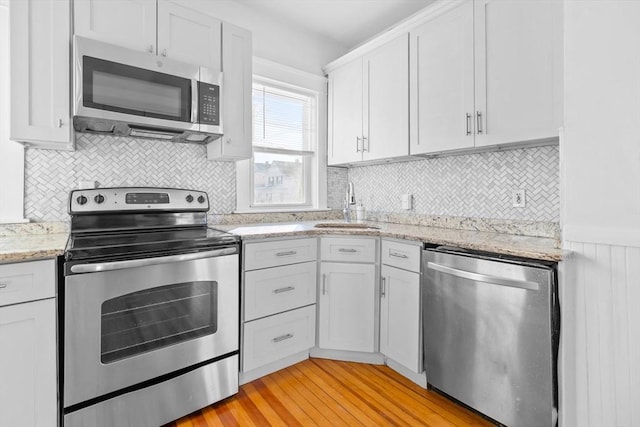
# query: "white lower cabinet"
400 317
278 305
275 337
401 309
28 391
348 308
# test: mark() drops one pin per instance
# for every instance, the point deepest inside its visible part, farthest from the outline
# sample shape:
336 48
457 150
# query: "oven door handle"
121 265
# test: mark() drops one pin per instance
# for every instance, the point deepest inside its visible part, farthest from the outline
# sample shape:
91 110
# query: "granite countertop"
539 248
32 241
31 247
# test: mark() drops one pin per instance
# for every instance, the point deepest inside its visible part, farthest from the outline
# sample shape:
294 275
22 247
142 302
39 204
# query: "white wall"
602 121
11 153
273 40
600 162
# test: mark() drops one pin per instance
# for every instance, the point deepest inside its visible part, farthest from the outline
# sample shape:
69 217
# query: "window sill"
273 210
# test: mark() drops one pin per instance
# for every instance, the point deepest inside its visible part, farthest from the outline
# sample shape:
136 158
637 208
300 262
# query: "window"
284 141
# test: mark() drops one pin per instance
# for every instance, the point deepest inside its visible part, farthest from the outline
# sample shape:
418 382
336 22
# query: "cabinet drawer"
280 252
278 289
272 338
347 249
27 281
401 255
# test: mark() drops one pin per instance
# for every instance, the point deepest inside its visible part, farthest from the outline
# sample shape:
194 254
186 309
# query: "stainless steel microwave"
119 91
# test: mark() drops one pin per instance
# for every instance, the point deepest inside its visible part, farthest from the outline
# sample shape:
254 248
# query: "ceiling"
345 22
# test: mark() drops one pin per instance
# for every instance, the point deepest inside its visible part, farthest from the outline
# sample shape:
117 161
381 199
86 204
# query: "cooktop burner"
129 243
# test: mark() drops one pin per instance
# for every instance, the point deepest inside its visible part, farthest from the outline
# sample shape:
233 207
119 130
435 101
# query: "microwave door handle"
121 265
195 96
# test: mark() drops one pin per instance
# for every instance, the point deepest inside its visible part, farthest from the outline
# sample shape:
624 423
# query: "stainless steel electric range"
150 308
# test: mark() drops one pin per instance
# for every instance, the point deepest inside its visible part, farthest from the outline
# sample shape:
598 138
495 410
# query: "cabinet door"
28 364
187 35
518 70
386 101
40 34
400 317
442 82
347 307
236 99
345 114
127 23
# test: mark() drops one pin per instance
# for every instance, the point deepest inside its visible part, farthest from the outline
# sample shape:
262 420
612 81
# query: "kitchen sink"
354 225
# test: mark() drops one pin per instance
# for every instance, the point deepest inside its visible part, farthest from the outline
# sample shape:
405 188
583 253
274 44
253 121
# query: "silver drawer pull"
347 250
287 253
397 255
282 338
281 290
3 285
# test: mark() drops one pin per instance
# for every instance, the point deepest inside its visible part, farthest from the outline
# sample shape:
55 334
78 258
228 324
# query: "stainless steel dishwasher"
491 329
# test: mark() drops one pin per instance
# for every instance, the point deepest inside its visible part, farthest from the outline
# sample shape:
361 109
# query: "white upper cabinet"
369 106
187 35
518 55
487 72
127 23
386 111
236 96
442 82
40 82
345 113
159 27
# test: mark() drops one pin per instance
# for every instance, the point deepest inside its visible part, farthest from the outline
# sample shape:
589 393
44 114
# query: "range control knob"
200 199
99 198
81 200
189 198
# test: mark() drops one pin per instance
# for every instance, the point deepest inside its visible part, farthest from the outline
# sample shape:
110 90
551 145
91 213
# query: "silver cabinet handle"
150 48
282 337
164 52
383 287
3 285
281 290
324 284
364 138
287 253
468 120
121 265
478 277
348 250
397 255
59 123
357 144
479 122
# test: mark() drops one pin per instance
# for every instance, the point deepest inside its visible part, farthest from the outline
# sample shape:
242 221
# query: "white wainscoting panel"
600 351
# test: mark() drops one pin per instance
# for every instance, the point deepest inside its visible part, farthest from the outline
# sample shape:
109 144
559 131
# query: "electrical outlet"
519 198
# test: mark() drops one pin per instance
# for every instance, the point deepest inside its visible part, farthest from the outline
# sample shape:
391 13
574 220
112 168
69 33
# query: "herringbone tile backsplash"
112 161
476 185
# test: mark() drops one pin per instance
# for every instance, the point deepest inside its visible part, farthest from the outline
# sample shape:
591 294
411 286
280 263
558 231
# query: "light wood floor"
331 393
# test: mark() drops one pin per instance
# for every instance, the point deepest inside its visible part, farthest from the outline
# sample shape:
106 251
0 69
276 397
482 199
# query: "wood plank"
336 393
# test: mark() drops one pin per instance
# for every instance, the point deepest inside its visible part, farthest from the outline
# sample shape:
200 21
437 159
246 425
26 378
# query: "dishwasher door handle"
478 277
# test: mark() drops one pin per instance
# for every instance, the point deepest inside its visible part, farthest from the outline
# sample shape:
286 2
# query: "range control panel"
124 199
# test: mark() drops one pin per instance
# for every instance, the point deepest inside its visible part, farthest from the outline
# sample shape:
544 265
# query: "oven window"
131 90
151 319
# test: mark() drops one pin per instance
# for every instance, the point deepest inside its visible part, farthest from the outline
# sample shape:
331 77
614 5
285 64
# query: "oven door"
133 321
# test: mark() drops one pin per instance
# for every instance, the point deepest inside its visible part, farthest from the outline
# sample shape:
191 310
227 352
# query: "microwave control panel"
209 103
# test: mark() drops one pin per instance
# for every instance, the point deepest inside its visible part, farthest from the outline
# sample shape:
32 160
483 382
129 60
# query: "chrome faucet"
350 199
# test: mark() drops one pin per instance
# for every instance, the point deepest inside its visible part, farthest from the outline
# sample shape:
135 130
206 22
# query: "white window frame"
283 76
11 153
